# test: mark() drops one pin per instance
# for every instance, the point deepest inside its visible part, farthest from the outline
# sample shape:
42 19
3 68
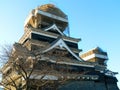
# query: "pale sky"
96 22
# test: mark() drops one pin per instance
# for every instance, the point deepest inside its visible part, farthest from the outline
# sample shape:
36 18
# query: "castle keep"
46 39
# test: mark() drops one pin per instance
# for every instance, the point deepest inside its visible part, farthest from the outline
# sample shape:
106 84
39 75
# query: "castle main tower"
46 28
46 33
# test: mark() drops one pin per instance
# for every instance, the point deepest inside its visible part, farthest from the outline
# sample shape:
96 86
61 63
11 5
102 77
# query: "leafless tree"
23 66
5 52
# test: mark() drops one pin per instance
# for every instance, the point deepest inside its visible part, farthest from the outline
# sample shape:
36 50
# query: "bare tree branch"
26 68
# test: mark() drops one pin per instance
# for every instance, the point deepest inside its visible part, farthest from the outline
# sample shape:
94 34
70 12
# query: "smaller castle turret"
95 55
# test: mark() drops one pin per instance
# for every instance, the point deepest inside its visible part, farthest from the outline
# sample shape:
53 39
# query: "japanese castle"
46 33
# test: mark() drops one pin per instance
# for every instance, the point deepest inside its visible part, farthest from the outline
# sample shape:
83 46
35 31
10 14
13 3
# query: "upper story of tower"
47 17
46 23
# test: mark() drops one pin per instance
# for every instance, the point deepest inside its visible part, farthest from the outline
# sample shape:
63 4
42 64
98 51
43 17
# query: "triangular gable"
54 27
61 43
